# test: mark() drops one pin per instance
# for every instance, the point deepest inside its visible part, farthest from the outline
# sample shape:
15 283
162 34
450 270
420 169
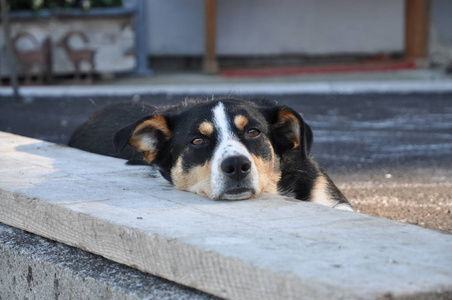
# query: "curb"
286 250
333 88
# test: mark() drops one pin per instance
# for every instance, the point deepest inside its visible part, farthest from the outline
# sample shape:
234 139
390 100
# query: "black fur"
108 132
96 134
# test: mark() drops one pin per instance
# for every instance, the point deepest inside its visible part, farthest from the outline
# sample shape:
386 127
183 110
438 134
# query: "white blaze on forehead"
221 122
228 145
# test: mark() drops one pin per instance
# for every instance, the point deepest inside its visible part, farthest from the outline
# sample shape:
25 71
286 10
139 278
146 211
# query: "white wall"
272 27
440 47
175 27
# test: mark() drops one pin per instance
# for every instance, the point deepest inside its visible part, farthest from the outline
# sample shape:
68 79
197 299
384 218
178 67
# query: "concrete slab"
271 247
32 267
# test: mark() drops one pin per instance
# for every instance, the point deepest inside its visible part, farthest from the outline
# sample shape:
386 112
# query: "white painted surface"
275 27
271 247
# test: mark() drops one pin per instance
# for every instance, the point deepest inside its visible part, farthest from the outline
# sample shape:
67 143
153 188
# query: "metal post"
9 51
140 39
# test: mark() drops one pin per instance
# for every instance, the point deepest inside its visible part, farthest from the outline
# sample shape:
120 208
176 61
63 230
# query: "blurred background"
57 40
372 78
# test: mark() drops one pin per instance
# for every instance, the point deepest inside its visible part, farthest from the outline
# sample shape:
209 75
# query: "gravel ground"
390 154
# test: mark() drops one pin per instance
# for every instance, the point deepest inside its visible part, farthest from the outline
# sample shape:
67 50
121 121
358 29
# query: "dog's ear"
147 135
290 131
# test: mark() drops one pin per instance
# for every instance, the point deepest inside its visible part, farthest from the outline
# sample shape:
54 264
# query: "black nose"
236 167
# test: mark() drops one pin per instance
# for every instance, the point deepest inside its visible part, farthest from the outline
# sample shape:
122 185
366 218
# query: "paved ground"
389 153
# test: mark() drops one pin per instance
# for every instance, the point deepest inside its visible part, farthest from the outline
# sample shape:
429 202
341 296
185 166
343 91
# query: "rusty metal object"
40 56
77 56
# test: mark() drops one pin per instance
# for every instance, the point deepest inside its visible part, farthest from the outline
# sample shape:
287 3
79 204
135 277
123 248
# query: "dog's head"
225 149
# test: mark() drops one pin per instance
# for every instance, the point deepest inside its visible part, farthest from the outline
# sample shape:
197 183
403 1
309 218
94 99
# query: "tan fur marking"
150 156
240 121
286 116
145 142
319 193
197 180
158 122
206 128
146 148
141 143
269 173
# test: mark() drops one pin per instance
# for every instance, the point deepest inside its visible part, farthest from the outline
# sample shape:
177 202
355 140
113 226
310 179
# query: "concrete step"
271 247
32 267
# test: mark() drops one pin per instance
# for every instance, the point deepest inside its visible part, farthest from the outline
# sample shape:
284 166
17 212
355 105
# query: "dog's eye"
253 132
198 141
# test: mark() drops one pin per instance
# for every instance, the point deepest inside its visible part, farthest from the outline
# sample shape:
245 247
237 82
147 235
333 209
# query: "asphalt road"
389 153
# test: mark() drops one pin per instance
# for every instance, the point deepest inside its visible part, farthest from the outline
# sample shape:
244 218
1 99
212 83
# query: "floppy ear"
291 132
147 136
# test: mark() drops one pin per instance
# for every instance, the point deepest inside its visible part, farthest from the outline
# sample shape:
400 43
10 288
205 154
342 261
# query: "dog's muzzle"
236 169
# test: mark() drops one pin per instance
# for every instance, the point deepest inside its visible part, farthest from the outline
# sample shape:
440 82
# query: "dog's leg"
325 192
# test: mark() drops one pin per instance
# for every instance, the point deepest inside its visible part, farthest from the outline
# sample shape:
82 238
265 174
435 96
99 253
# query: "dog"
223 149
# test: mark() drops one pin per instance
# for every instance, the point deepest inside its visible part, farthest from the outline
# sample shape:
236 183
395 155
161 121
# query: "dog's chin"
237 194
